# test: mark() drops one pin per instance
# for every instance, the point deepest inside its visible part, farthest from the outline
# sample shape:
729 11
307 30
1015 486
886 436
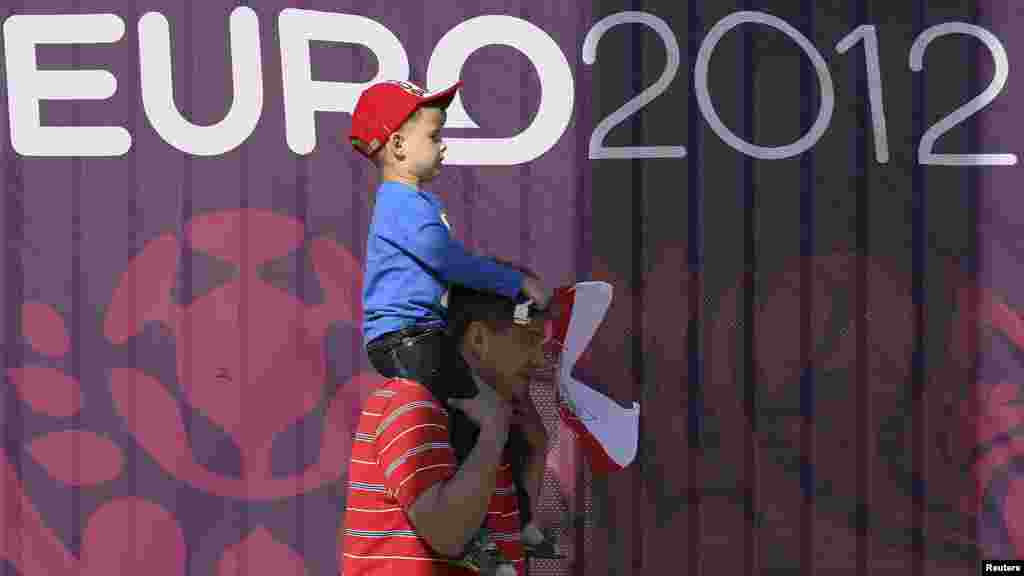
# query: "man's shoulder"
402 391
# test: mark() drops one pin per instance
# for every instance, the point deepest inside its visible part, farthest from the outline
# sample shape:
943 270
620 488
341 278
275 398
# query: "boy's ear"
396 143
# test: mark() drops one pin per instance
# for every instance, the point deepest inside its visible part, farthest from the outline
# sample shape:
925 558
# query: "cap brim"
444 97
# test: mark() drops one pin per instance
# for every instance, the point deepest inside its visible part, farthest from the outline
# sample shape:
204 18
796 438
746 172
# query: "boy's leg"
430 359
382 363
536 543
518 449
415 356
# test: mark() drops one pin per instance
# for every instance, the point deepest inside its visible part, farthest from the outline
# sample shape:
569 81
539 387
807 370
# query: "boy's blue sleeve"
428 240
463 267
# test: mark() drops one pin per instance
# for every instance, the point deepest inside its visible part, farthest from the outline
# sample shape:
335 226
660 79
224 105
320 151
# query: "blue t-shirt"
411 258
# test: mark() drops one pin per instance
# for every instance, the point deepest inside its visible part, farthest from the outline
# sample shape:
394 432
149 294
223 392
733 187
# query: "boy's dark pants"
429 356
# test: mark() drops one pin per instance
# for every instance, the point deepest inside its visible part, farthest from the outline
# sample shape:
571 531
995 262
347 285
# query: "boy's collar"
400 183
406 186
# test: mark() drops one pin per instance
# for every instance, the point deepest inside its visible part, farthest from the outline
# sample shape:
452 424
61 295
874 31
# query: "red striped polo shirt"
401 448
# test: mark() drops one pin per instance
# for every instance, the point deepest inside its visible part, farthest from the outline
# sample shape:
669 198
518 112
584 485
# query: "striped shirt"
401 448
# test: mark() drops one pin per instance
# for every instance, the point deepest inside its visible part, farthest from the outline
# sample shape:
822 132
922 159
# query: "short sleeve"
414 450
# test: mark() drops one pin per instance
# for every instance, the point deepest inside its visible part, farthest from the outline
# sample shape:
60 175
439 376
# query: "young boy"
411 257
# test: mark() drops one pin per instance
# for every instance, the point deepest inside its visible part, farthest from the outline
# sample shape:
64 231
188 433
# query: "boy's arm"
481 273
429 241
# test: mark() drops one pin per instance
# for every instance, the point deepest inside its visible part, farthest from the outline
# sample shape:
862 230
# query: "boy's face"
422 148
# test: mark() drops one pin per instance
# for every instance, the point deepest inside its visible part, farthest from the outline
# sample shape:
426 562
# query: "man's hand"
488 411
526 416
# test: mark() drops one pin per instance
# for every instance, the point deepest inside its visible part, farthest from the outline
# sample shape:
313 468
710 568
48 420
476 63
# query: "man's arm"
446 504
449 513
536 463
537 440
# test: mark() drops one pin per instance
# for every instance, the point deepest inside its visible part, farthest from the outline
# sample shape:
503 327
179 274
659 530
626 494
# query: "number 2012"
303 96
865 35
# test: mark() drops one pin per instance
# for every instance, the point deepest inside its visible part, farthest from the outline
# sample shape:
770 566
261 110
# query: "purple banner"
813 258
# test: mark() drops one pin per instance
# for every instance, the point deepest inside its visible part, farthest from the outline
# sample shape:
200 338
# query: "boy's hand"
532 286
536 292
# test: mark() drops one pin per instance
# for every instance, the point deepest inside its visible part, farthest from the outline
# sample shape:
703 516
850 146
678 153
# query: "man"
413 506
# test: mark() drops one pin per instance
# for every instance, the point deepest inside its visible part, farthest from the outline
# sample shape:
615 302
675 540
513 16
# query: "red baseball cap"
383 107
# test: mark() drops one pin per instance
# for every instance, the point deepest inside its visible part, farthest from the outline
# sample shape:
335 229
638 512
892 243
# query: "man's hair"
467 305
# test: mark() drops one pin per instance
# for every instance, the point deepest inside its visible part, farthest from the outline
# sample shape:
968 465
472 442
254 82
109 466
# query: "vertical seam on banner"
526 171
300 212
76 300
973 268
14 295
695 398
749 293
244 285
131 457
807 303
919 245
302 167
584 264
863 542
638 267
186 213
524 237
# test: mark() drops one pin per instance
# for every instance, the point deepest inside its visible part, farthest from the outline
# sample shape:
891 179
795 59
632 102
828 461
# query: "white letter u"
158 90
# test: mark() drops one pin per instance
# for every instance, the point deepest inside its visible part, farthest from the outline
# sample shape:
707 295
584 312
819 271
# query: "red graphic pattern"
294 346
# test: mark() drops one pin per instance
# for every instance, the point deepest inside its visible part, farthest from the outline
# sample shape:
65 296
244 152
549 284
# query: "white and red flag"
607 432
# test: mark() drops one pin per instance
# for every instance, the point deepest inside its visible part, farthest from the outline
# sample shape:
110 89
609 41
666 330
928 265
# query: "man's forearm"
463 500
536 462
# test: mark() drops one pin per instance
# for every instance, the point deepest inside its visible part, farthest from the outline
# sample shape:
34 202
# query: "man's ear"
477 339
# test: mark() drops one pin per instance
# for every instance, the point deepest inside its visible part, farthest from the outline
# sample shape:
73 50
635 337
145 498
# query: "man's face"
422 143
514 354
